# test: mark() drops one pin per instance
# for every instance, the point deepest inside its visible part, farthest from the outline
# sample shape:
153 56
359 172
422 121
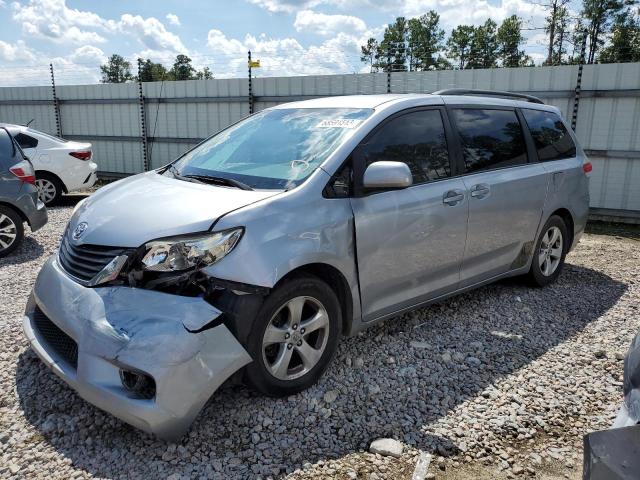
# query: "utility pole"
576 98
56 103
143 121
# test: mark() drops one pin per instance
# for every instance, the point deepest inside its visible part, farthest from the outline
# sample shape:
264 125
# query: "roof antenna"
29 122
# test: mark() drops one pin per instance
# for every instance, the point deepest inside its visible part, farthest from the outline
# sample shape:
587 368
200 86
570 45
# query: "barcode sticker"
339 123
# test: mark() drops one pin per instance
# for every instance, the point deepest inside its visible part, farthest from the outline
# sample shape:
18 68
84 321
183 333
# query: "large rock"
387 447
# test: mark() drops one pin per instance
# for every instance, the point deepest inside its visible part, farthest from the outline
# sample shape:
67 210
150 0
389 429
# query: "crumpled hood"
144 207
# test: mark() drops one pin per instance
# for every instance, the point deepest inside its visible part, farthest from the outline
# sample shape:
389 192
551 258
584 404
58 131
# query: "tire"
49 188
278 336
547 262
11 230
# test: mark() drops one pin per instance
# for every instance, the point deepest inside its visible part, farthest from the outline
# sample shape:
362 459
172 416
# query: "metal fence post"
576 98
250 84
56 104
143 121
388 71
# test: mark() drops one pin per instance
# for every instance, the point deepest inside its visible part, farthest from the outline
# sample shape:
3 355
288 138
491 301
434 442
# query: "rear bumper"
140 330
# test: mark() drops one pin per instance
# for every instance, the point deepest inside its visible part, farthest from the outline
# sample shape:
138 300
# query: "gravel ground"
501 382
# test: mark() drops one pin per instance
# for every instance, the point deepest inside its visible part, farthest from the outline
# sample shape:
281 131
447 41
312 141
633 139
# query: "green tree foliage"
459 45
182 69
204 74
116 70
509 37
484 46
369 53
625 39
393 48
152 72
425 41
598 16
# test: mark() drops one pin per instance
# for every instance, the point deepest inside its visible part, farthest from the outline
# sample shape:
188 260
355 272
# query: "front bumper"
140 330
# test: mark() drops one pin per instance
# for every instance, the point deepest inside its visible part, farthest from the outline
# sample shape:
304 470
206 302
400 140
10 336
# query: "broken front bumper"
135 330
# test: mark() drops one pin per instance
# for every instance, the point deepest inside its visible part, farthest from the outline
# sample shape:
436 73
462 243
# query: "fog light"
140 384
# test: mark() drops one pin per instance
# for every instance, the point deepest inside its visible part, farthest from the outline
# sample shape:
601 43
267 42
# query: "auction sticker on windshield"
339 123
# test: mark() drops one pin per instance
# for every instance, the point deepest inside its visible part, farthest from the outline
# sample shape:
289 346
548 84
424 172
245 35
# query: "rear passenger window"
550 136
415 138
490 139
25 141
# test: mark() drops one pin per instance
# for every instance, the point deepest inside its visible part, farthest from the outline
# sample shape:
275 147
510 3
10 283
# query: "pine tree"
152 72
425 39
182 69
459 44
369 53
484 46
624 45
510 39
598 15
393 48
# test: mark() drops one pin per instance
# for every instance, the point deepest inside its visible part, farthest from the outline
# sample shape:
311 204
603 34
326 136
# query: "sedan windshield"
273 149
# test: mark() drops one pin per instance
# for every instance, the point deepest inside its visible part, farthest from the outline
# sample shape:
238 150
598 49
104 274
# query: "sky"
290 37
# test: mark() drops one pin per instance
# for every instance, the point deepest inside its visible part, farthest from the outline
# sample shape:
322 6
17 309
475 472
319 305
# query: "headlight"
184 253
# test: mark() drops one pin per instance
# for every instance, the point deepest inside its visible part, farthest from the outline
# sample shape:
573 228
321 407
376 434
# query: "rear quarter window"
26 141
551 138
490 138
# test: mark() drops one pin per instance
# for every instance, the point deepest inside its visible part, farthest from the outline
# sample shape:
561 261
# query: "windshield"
273 149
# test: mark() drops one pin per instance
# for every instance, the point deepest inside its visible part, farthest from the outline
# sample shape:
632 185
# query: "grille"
85 261
60 342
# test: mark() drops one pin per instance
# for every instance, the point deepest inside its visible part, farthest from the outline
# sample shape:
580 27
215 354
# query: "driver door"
410 242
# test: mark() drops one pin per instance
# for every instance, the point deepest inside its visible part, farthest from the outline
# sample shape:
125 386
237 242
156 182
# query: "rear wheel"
11 230
294 336
49 188
549 254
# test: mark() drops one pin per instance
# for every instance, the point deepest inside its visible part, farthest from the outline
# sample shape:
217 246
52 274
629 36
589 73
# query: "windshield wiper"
219 180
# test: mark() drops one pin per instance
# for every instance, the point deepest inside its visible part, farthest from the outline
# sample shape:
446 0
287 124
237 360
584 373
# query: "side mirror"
387 175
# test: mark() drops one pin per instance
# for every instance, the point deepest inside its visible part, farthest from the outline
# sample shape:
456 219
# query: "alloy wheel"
46 190
550 253
8 232
295 338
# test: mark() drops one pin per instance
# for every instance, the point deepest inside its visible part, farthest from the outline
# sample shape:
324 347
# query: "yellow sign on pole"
254 63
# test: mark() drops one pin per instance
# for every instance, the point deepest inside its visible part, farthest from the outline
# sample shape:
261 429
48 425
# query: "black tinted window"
490 139
416 139
25 141
550 136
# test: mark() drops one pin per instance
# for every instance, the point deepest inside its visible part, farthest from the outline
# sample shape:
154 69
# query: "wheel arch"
335 279
50 173
567 218
19 212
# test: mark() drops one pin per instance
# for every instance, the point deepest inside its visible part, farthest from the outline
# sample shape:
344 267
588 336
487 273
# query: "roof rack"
488 93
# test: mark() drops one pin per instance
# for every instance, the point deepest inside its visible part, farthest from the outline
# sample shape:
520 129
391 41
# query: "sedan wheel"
47 190
295 338
550 252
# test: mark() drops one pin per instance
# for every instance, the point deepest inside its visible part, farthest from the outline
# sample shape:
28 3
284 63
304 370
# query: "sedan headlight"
177 254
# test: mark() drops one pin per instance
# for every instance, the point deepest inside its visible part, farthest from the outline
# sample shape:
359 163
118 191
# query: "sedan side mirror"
385 174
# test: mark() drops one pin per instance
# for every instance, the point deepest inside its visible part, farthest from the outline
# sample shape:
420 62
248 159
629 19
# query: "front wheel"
549 254
294 336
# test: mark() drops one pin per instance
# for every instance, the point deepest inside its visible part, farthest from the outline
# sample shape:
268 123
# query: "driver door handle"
453 197
480 191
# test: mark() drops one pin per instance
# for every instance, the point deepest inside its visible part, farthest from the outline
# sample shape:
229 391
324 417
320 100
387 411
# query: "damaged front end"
149 347
615 453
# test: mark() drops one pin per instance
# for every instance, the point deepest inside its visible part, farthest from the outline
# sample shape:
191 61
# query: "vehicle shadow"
241 434
70 200
29 250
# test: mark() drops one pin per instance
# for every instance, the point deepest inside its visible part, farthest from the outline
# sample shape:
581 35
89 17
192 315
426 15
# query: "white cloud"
88 54
53 20
17 52
173 19
287 6
322 24
284 56
151 32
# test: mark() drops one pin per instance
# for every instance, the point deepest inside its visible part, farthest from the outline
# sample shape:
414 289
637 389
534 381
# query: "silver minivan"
259 248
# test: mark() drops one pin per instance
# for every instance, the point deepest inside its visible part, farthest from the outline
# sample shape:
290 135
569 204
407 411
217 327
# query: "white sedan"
61 166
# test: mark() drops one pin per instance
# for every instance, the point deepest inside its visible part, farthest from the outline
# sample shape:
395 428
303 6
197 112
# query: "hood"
144 207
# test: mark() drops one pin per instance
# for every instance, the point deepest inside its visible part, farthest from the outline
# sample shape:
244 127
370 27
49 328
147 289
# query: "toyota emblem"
79 230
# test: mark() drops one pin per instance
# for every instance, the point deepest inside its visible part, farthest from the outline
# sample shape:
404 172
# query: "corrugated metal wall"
178 114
